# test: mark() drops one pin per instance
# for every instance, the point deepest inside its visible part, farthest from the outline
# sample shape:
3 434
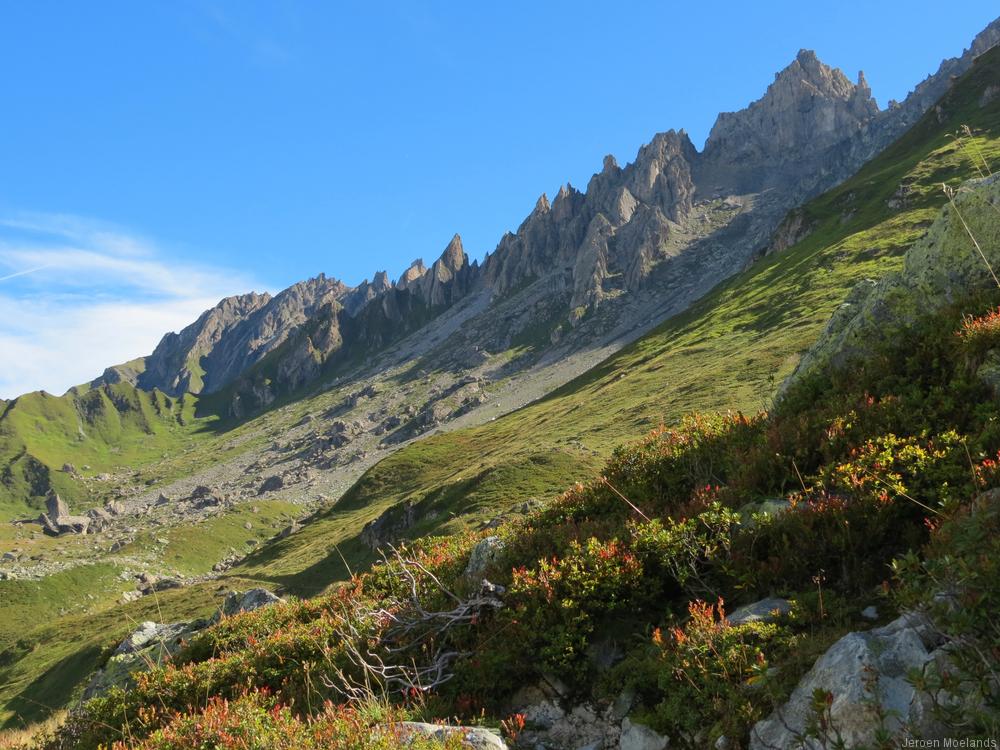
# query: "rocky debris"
115 508
100 519
860 669
201 492
68 468
551 725
476 738
766 610
389 526
271 484
162 500
485 553
292 528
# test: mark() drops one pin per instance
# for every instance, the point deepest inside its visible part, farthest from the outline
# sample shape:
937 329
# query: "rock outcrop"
784 138
57 519
940 267
153 644
866 674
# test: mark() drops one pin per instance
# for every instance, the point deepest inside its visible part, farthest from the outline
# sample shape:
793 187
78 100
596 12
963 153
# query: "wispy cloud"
77 296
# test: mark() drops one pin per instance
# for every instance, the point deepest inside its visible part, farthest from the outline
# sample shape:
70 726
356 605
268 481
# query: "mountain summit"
675 221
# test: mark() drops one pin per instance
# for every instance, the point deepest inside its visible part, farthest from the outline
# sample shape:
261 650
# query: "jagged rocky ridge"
676 219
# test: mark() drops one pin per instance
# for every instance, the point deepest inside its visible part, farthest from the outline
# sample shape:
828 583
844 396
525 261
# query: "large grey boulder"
940 268
55 506
247 601
860 669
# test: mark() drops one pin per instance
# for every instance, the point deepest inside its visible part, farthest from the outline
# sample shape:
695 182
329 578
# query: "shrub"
979 334
556 603
256 722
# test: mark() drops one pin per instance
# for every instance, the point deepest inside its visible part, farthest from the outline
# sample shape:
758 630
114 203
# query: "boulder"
476 738
150 645
237 602
484 553
766 610
271 484
55 507
100 519
639 737
858 670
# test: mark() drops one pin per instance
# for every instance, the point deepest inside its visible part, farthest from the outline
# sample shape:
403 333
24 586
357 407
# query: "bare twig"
627 501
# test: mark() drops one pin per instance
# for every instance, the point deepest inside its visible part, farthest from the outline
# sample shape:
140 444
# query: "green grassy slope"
102 428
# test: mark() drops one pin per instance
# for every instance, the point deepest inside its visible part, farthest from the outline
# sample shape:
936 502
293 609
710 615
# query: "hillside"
769 314
848 523
729 351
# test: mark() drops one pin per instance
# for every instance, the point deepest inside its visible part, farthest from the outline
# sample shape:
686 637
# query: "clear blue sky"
243 143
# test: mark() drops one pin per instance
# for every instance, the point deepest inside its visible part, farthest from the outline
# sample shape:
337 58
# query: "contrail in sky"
22 273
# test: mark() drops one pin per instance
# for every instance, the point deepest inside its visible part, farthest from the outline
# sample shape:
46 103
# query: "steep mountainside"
778 580
811 129
354 384
730 350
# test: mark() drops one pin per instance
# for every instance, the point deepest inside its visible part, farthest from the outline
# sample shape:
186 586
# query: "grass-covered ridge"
103 429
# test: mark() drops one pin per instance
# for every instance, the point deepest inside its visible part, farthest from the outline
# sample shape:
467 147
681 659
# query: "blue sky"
155 156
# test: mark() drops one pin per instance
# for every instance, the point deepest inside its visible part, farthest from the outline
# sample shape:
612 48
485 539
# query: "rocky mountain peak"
453 257
415 270
985 39
807 110
542 204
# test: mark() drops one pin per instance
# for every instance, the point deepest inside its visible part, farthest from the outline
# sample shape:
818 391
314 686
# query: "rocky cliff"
675 220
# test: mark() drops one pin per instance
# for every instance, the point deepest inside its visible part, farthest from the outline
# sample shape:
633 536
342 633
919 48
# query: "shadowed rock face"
811 129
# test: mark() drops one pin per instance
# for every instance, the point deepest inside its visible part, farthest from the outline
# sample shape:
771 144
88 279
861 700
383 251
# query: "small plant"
980 333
